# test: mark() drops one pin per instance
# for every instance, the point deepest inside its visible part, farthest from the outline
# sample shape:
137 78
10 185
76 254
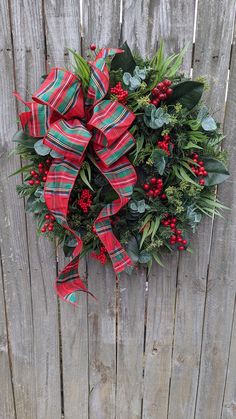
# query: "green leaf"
132 249
190 144
159 158
144 257
84 178
203 112
56 155
209 124
157 259
155 227
41 149
124 60
155 117
188 93
217 172
22 170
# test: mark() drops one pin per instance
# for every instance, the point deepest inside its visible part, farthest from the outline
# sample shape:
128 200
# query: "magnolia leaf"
188 93
209 124
217 172
41 149
124 60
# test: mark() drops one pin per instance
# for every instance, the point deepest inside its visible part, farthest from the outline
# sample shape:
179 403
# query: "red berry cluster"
85 201
177 237
41 175
165 143
154 187
120 93
101 256
199 171
161 92
49 224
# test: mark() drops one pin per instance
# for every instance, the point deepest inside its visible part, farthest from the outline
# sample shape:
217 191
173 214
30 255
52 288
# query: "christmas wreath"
123 159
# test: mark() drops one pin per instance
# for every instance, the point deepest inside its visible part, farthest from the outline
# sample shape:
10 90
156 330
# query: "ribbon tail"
60 182
122 177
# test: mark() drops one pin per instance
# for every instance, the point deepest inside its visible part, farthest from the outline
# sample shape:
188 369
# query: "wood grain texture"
101 23
229 402
130 345
146 22
102 341
221 286
193 269
62 22
38 388
6 394
62 25
159 338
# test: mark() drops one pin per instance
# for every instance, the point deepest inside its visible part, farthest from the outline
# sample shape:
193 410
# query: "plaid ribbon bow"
68 122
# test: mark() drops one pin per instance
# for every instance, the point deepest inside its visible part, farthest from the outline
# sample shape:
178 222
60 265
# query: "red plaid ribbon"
67 121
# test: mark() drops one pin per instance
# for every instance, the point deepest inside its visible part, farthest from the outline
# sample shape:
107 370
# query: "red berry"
153 180
155 102
173 238
37 182
43 229
44 178
205 173
52 218
47 217
163 196
167 82
179 239
172 225
150 193
184 242
146 187
201 163
181 247
93 47
179 232
48 161
31 182
166 137
201 182
174 220
50 228
40 165
155 91
161 85
33 172
162 96
169 92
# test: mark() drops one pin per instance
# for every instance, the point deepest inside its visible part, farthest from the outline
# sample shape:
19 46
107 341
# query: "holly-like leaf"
41 149
188 93
124 60
217 172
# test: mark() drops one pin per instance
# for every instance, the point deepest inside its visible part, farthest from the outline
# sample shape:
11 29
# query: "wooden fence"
169 352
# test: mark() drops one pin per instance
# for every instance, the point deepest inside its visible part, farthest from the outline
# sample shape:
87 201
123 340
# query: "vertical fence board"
229 402
102 341
130 344
6 394
146 22
6 113
62 24
13 241
221 278
193 268
42 340
101 23
159 336
101 26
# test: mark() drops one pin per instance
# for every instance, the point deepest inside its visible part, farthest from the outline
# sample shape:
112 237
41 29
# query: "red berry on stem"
93 47
169 92
44 178
146 187
181 248
43 229
47 217
33 172
167 82
31 182
201 182
153 180
184 242
179 232
37 182
163 196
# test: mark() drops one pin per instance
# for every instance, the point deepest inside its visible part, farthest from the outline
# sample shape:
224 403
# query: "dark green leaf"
124 60
188 93
217 172
133 249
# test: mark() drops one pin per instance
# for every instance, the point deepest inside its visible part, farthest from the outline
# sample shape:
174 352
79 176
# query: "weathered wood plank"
159 337
221 286
62 25
38 387
102 341
130 345
229 402
146 22
6 394
193 269
101 23
62 22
